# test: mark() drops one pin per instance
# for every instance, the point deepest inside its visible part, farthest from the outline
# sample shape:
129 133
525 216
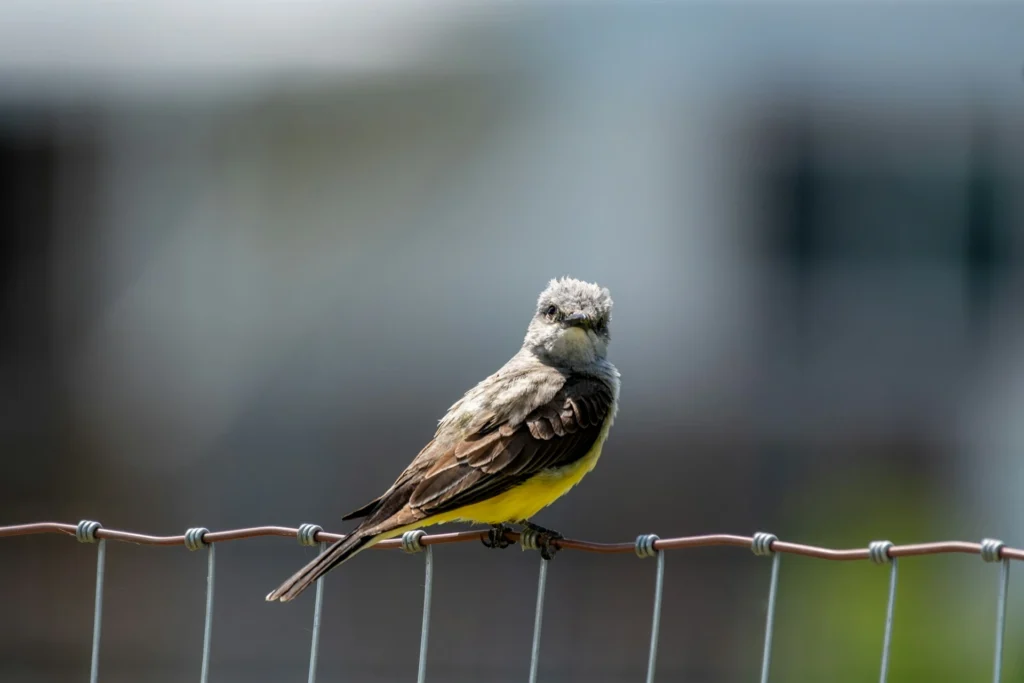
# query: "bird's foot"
496 537
546 540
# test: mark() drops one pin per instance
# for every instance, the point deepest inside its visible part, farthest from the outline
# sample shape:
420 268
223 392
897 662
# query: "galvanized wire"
769 627
85 532
194 540
889 612
645 546
208 621
411 544
318 607
1004 584
428 583
538 618
879 552
97 615
659 590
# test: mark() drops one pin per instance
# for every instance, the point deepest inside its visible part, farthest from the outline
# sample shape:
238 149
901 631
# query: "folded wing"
554 435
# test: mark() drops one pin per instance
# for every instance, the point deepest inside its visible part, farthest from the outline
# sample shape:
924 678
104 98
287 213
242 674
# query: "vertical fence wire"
889 611
97 616
769 627
428 581
538 618
195 538
314 646
204 675
659 583
761 544
992 551
878 552
1004 585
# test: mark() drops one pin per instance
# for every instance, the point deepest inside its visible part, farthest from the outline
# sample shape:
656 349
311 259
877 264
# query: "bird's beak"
576 320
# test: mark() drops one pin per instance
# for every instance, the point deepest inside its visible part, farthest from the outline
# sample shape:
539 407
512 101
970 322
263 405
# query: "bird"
511 445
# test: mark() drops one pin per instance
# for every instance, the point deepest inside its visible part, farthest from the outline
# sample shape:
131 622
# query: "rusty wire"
845 554
645 545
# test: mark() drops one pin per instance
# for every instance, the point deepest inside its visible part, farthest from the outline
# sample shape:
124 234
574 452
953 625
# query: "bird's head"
570 325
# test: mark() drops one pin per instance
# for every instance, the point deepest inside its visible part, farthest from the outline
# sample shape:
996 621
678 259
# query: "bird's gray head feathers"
570 325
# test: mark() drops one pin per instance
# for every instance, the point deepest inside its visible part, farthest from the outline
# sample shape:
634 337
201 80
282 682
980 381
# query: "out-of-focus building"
242 242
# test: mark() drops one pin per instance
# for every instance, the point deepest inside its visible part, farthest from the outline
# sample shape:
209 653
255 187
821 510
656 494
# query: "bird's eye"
551 312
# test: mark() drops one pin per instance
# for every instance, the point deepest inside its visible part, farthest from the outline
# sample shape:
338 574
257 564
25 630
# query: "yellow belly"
524 501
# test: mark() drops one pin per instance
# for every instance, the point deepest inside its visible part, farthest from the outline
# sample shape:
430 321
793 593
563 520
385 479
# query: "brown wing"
479 467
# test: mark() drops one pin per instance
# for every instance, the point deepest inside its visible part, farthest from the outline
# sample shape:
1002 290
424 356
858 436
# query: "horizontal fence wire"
936 548
645 545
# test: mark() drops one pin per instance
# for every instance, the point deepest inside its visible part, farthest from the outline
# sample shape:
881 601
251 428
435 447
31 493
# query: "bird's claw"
546 543
496 537
546 540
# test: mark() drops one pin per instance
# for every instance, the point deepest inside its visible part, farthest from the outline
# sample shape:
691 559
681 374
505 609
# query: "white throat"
574 346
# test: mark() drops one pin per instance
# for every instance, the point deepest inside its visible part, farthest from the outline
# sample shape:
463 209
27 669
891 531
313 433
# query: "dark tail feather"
364 511
327 560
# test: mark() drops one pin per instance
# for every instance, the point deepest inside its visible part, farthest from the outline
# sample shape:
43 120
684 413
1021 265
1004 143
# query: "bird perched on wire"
512 445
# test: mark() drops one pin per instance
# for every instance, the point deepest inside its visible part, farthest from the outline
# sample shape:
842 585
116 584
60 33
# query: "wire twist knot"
307 533
990 549
528 539
878 551
194 537
412 541
761 544
644 545
86 531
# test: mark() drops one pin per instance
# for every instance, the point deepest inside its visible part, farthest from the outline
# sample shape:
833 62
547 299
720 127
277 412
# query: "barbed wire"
707 540
645 545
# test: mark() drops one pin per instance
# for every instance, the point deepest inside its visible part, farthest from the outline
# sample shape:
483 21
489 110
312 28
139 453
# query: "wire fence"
645 546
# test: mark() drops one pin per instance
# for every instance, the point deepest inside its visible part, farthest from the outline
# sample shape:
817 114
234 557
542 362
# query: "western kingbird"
512 445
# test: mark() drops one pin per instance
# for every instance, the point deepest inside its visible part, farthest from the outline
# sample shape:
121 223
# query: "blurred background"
242 241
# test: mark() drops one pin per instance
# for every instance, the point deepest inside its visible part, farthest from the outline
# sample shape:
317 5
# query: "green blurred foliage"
830 615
